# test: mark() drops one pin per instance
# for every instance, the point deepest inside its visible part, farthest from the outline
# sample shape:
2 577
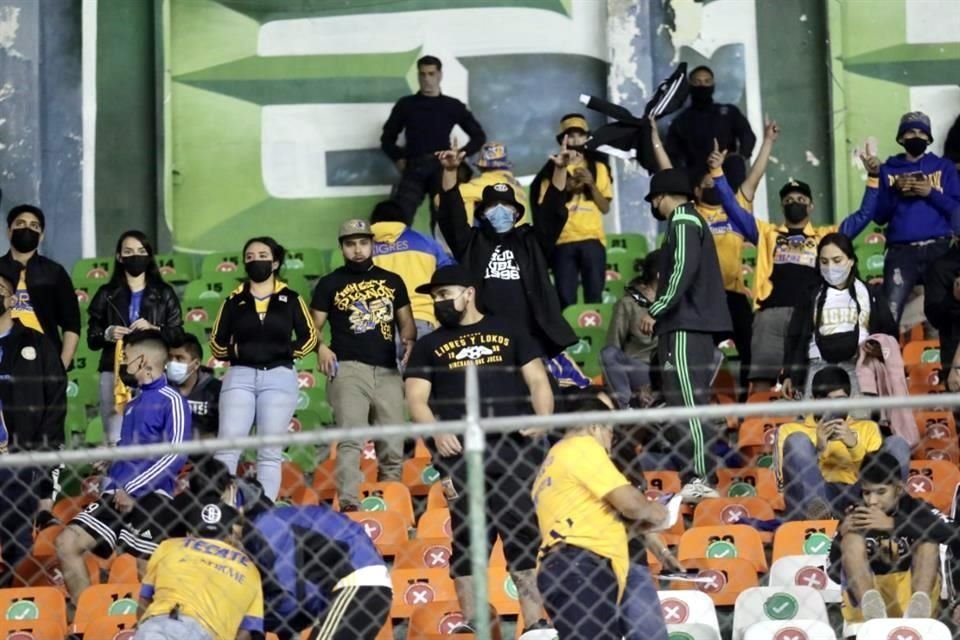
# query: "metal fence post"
474 443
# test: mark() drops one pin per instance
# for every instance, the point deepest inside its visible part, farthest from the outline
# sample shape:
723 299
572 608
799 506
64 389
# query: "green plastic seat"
622 266
92 269
586 352
176 267
310 263
94 433
312 398
588 316
304 456
634 243
207 291
84 387
216 264
870 259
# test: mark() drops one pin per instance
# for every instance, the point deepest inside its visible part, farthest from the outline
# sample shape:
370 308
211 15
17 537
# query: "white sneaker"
540 630
919 607
697 490
872 605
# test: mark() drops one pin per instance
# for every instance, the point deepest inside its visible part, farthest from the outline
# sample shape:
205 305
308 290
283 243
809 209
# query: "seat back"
750 481
34 603
688 606
937 425
934 481
662 482
423 553
102 600
790 630
901 629
502 591
588 316
111 628
720 579
692 631
937 449
921 352
435 523
387 496
436 499
419 476
30 630
386 529
723 511
804 537
435 618
805 571
415 587
123 570
778 604
724 542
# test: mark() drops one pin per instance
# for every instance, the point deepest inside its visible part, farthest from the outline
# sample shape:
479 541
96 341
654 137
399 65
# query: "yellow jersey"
568 493
472 191
837 462
209 580
729 243
23 309
586 220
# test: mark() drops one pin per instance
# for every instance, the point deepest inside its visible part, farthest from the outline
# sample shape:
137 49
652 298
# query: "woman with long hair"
262 327
829 327
135 298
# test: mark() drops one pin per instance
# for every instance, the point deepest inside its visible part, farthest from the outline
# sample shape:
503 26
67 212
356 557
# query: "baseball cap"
914 120
796 186
355 227
675 181
212 519
572 122
497 193
453 275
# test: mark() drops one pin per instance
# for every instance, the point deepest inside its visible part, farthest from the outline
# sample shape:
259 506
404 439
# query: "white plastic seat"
693 631
779 604
685 607
903 629
790 630
805 571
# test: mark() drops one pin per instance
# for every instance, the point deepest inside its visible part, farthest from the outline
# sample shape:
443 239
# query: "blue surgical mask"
178 372
836 275
500 218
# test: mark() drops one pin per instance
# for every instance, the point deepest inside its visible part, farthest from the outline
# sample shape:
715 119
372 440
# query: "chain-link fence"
809 523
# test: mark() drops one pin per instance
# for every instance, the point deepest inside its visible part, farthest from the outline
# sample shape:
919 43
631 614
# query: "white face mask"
178 372
836 275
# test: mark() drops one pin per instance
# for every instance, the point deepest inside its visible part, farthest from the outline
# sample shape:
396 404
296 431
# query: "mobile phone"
832 417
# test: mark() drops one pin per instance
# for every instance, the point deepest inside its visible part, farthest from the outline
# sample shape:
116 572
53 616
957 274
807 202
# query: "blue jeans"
803 479
904 267
640 615
167 628
623 374
580 262
579 590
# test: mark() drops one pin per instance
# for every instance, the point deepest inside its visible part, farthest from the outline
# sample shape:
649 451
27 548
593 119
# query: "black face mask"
656 213
259 270
447 313
128 378
795 213
24 240
701 96
915 146
359 267
710 196
136 265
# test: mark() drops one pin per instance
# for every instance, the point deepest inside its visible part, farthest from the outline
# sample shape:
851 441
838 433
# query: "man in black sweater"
692 132
690 309
426 118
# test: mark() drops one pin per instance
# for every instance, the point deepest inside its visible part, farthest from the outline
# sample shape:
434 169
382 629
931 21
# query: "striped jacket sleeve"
176 430
304 329
682 261
220 335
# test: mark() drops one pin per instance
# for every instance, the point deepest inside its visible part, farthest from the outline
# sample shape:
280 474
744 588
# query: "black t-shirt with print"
496 348
503 294
361 310
795 272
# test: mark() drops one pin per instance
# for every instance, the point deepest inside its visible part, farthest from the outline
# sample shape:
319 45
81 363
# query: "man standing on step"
691 307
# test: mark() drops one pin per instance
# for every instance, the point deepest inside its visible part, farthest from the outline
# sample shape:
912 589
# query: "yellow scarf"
121 394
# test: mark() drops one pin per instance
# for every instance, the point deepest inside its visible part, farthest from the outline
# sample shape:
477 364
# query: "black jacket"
204 401
691 134
690 294
472 247
33 390
242 338
52 295
801 327
110 307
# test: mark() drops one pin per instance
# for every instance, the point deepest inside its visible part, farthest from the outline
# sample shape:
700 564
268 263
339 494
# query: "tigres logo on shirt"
799 250
371 306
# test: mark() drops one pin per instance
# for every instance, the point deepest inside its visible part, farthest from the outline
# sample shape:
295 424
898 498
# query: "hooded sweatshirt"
412 256
912 218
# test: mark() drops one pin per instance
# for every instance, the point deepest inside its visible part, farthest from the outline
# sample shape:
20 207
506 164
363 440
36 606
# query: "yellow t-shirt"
729 243
837 462
23 310
211 581
472 191
586 219
568 494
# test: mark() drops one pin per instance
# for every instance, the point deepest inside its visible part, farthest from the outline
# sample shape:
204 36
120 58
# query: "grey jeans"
167 628
108 413
623 374
265 398
817 365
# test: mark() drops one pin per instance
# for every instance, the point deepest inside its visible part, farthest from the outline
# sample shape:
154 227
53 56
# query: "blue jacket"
302 552
158 414
911 218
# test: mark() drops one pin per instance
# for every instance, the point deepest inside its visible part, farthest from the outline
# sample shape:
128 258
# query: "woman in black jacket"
829 327
135 298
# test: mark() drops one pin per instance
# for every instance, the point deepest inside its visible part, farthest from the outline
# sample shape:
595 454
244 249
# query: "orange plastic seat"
421 450
45 572
927 373
937 425
105 600
386 529
937 449
920 352
325 480
419 476
765 396
758 436
35 603
305 496
435 523
750 481
727 578
423 553
123 570
436 498
662 482
32 630
415 587
803 538
434 619
387 496
923 389
497 557
44 543
934 481
502 591
66 508
723 511
291 479
723 542
111 628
